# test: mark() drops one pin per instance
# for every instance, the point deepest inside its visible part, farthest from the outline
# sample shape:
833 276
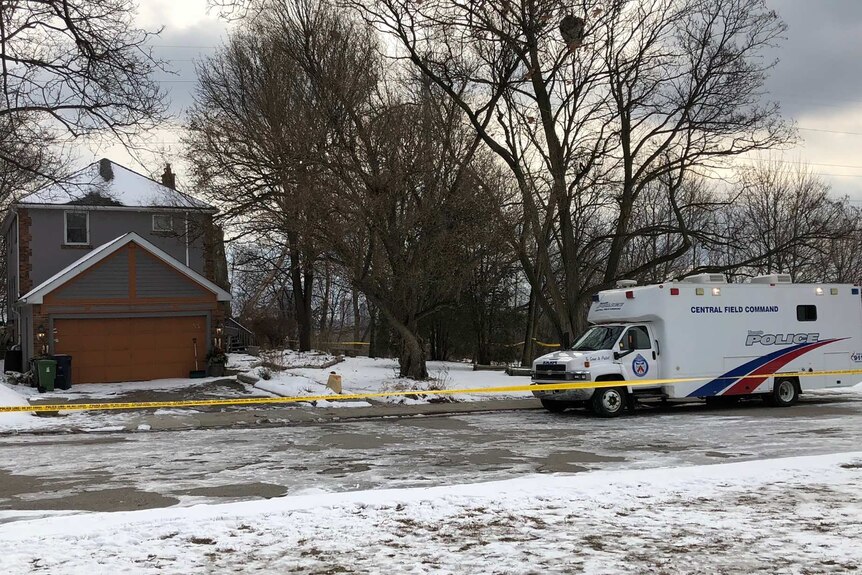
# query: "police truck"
702 338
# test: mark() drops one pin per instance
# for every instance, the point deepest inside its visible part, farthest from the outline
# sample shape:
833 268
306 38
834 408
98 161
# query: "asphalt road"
124 471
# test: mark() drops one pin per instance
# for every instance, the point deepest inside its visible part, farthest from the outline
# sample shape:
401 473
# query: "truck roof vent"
773 279
626 283
706 279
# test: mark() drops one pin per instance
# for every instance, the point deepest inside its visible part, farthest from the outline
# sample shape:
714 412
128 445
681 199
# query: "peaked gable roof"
37 294
106 183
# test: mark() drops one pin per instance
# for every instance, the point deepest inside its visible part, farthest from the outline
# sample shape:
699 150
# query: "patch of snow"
289 358
14 420
791 515
376 375
242 361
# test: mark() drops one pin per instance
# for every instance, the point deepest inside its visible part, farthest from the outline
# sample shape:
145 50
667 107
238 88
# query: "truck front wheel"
609 401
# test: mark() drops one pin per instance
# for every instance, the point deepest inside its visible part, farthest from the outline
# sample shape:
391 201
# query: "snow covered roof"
106 183
36 295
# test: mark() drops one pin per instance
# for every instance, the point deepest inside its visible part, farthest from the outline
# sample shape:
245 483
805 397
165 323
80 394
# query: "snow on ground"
286 358
796 515
373 375
8 397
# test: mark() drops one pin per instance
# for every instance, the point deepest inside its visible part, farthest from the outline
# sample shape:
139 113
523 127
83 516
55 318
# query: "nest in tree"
572 30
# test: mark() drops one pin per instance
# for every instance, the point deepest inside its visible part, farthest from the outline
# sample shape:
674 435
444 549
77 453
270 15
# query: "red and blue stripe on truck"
734 381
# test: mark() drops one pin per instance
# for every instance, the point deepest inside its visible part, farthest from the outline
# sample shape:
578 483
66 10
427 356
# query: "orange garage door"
131 349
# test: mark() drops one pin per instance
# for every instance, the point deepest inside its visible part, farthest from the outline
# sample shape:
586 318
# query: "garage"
127 311
132 348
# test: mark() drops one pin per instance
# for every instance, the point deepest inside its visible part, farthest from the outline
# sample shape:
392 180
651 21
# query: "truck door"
637 354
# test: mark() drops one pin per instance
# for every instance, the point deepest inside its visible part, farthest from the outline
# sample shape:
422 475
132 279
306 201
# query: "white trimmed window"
163 223
77 228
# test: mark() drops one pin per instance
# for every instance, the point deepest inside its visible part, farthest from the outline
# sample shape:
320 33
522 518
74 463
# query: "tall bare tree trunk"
372 332
357 318
412 361
528 350
302 281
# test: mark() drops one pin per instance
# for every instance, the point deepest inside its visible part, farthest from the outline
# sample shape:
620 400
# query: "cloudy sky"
818 80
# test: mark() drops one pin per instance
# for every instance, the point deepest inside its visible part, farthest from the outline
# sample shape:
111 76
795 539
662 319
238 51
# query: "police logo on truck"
759 337
640 367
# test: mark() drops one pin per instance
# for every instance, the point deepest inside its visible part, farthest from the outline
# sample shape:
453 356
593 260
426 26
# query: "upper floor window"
77 226
163 223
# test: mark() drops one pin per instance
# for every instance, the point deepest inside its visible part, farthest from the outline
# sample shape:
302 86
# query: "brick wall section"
215 259
39 319
209 249
25 264
217 321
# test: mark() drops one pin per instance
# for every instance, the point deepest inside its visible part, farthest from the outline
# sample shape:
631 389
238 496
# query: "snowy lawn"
367 375
795 515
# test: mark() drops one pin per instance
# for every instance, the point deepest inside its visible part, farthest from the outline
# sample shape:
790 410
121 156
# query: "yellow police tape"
360 396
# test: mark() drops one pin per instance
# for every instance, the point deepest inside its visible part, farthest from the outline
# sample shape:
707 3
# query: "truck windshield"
599 337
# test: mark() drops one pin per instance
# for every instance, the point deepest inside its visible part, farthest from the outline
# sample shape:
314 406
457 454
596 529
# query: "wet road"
123 471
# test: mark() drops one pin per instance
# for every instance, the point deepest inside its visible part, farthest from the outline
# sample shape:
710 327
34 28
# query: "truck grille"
550 371
552 367
551 376
557 372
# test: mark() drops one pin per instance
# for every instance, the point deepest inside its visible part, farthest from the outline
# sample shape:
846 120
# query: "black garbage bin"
13 360
63 380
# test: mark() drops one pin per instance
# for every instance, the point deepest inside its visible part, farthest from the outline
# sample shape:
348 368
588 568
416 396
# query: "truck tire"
554 406
784 393
609 401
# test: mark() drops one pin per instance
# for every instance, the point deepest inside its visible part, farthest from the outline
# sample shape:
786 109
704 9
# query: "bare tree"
72 68
589 116
251 141
411 214
782 219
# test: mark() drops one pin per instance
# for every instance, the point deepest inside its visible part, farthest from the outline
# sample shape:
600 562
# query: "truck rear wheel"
784 394
609 401
554 406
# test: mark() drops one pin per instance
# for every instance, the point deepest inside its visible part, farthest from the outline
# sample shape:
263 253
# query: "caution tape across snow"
251 401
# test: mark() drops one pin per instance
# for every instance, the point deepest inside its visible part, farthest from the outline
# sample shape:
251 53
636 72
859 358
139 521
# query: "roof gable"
108 184
37 294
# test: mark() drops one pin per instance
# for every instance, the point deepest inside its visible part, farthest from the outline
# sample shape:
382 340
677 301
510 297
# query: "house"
123 273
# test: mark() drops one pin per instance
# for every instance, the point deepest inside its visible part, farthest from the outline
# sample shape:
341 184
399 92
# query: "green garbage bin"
46 372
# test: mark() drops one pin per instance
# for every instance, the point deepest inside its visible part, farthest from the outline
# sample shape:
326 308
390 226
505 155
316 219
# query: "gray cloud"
181 48
819 64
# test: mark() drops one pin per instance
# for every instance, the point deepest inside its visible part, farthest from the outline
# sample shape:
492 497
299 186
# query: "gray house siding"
108 281
155 279
50 254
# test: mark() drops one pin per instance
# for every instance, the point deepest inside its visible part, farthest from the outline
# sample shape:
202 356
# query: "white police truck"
740 340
